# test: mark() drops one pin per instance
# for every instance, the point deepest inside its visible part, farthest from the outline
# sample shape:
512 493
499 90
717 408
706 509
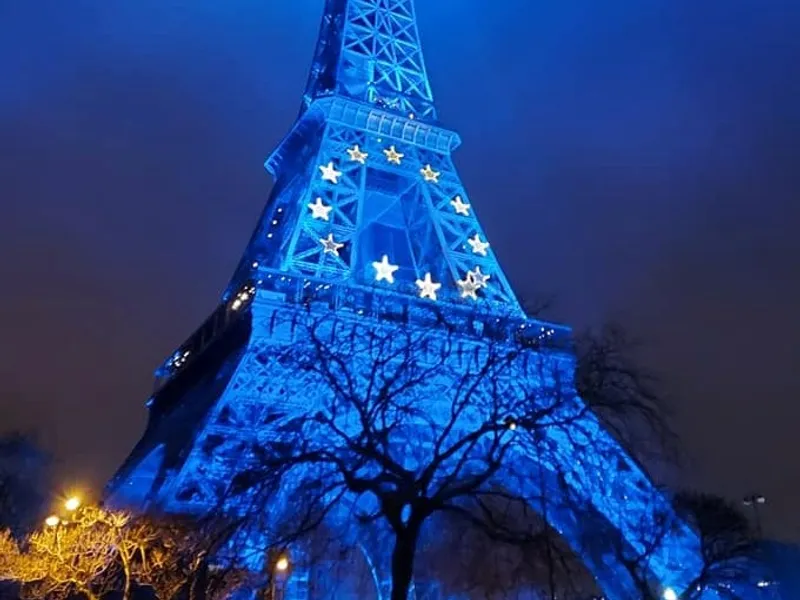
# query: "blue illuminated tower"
368 218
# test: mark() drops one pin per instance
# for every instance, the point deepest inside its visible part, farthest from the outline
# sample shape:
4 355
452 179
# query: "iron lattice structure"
368 220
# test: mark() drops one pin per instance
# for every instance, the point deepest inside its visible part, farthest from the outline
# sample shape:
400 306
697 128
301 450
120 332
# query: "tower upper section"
370 51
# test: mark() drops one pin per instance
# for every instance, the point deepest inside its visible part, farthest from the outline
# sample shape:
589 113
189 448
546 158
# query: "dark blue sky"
638 159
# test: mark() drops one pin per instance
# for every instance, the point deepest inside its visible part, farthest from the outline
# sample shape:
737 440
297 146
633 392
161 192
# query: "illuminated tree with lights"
67 559
91 552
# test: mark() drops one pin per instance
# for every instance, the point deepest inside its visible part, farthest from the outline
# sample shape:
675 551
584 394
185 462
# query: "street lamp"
282 564
279 568
72 504
52 521
670 594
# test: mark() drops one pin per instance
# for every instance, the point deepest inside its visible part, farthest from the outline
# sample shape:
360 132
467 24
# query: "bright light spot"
670 594
282 564
763 584
72 504
52 521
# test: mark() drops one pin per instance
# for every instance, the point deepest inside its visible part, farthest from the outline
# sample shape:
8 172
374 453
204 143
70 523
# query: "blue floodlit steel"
368 218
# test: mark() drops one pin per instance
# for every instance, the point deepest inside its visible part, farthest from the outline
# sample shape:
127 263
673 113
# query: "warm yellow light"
52 521
72 504
282 564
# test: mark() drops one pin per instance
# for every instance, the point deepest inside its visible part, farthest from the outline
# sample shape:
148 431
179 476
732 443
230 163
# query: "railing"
482 320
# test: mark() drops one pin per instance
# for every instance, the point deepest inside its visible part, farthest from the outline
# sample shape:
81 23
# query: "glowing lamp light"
670 594
282 564
52 521
72 504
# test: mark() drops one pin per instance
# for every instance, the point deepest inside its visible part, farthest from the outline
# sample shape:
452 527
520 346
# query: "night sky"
637 159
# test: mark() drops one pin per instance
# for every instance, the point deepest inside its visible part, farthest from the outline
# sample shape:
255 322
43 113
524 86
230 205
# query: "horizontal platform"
367 118
479 320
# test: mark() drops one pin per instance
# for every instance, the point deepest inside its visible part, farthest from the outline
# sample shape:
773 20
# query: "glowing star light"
478 246
460 206
384 271
427 288
320 211
329 173
356 155
430 175
480 279
330 246
393 156
468 287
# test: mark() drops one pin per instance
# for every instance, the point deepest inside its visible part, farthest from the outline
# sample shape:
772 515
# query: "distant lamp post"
754 501
279 567
282 564
72 504
52 521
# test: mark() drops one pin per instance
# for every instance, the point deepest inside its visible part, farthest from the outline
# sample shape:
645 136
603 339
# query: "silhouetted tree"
732 560
402 424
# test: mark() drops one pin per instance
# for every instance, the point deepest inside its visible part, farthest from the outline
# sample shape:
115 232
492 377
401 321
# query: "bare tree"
626 396
404 424
732 561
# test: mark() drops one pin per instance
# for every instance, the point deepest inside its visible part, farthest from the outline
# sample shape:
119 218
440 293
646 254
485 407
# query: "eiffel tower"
369 215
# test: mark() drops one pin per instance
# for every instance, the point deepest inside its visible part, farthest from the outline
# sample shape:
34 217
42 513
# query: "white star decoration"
329 173
427 288
330 246
474 281
320 211
429 174
460 206
479 278
393 156
356 155
478 246
468 287
384 271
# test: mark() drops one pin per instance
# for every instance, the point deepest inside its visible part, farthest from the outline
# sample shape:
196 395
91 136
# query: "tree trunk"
405 547
197 590
126 576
